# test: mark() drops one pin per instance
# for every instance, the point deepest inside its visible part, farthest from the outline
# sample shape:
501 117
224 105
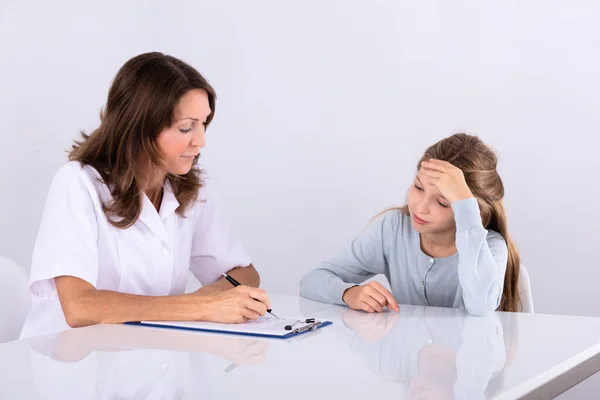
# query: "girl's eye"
443 205
418 188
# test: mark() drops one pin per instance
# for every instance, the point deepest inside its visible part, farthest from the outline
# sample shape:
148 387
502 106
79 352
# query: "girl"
130 215
448 247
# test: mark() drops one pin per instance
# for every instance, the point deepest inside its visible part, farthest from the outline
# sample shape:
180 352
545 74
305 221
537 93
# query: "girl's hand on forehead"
448 179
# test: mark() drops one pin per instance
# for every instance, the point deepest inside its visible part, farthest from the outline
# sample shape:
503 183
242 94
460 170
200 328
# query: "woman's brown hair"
478 164
141 103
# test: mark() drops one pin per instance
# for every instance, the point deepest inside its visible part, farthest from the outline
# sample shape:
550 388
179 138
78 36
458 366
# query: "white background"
324 108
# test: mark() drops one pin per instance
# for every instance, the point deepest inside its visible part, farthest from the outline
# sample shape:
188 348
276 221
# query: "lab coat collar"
155 220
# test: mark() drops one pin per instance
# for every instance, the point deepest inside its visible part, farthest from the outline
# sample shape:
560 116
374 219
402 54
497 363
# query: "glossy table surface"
420 353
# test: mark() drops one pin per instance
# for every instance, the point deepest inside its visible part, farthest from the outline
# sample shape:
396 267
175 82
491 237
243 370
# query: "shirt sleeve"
66 243
215 246
362 259
482 259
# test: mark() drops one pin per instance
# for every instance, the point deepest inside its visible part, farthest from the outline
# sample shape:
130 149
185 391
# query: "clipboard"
264 327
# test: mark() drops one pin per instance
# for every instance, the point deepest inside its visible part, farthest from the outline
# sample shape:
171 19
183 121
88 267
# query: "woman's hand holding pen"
236 305
372 297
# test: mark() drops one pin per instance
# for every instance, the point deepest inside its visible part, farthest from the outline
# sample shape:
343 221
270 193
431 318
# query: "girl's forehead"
427 183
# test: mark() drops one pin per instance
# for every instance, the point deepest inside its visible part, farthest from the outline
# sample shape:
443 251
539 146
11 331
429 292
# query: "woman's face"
180 143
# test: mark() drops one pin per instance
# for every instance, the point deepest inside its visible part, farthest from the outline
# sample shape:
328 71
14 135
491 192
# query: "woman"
130 214
448 247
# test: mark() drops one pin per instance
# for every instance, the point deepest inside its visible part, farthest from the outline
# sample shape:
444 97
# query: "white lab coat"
152 257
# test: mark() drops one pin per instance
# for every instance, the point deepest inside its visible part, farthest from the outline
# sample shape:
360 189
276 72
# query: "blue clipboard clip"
311 324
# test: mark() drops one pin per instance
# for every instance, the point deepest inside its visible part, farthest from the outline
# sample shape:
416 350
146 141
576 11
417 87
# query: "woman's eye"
185 130
418 188
443 205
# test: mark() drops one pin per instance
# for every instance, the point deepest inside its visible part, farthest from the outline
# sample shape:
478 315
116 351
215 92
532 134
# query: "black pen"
235 283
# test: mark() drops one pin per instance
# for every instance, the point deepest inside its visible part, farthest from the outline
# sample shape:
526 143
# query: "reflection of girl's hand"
372 327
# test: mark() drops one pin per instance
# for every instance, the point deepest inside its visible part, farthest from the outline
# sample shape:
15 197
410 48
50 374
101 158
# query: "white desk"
425 353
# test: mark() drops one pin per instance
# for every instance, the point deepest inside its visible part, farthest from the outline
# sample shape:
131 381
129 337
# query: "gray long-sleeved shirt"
472 278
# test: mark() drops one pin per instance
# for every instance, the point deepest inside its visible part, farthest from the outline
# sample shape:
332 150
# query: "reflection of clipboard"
266 327
295 339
